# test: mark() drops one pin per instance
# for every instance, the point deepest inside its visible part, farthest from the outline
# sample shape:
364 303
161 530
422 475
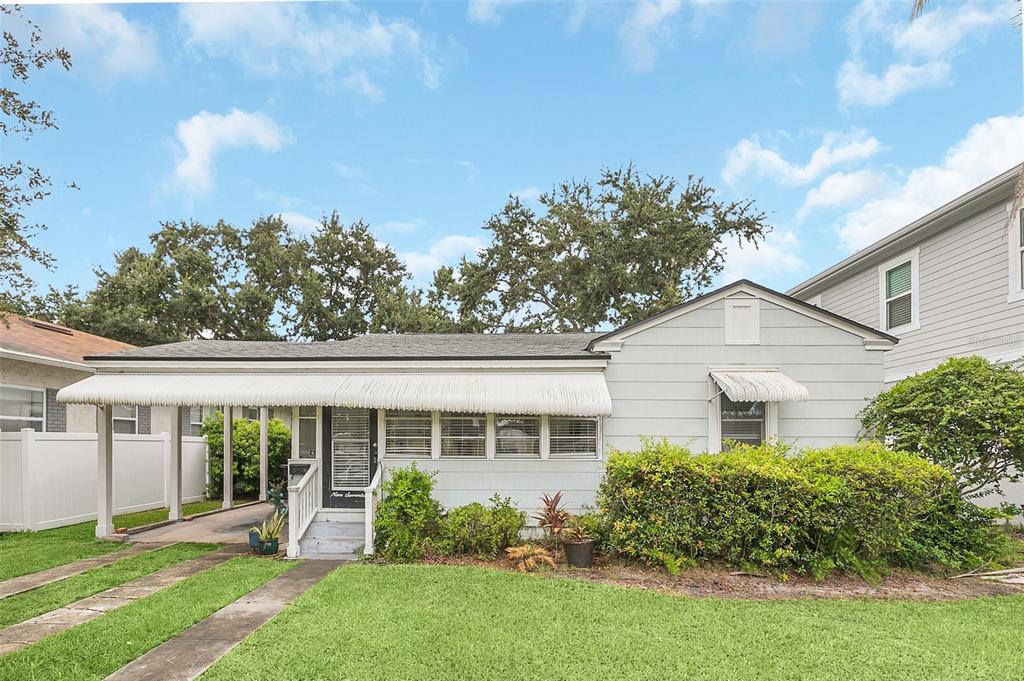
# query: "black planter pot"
579 554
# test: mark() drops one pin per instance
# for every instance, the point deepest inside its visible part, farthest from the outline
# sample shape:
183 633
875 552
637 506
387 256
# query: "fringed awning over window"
760 385
554 392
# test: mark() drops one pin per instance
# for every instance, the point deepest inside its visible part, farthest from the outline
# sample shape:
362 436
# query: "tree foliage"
966 415
245 453
22 184
615 252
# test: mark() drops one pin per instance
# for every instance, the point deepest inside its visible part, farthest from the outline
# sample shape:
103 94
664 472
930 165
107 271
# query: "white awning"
555 392
759 385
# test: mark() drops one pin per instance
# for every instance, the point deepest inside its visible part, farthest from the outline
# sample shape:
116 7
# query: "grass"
23 606
157 515
25 552
442 622
95 649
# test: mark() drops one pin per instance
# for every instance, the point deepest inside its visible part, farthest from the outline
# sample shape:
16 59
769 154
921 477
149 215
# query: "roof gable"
38 339
869 335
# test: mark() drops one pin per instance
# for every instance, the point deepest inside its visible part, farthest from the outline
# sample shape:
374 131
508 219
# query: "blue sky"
841 120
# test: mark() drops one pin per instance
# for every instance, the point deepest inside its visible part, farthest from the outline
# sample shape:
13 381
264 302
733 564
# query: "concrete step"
339 515
331 530
309 548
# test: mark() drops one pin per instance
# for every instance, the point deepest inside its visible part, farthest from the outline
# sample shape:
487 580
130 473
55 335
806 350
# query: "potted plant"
270 535
254 538
578 544
552 518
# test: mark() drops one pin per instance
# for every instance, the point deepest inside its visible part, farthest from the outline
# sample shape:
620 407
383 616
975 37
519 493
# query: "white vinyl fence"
49 479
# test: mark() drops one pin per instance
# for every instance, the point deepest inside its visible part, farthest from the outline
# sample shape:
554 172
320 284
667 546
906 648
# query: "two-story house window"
899 293
1016 240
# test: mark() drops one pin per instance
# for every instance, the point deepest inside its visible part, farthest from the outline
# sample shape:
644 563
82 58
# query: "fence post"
27 439
167 469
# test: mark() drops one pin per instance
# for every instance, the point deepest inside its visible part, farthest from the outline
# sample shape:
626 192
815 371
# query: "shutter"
144 420
350 448
898 280
900 311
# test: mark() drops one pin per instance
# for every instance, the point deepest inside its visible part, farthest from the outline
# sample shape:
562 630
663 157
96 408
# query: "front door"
349 455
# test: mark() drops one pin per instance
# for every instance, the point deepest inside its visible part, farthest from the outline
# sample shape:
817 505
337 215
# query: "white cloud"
842 189
530 193
644 28
751 157
576 16
774 257
204 135
859 87
920 51
277 39
359 82
989 148
349 172
101 37
487 11
444 251
303 224
783 28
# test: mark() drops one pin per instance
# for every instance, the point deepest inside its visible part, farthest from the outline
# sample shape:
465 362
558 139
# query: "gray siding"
964 308
659 379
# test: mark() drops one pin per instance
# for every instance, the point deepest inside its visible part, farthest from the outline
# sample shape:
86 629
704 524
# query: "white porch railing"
303 504
370 499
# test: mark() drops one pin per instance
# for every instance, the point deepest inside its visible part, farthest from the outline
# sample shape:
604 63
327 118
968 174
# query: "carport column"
264 452
174 472
104 470
229 477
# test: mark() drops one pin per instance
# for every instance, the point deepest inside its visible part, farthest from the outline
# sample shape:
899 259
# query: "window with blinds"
350 448
517 437
407 434
1020 250
899 303
742 421
463 435
126 419
572 438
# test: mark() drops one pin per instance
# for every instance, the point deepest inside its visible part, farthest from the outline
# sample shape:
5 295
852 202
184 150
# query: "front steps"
333 536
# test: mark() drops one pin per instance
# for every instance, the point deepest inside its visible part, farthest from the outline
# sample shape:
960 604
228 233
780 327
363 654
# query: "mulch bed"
711 582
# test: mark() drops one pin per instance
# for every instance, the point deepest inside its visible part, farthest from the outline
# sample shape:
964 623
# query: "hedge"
245 451
858 508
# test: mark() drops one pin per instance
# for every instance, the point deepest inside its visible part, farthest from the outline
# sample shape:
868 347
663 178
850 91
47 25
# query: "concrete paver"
227 527
30 631
192 652
35 580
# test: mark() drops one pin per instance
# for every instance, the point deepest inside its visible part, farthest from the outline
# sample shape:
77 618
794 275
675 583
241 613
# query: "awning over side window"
759 385
554 392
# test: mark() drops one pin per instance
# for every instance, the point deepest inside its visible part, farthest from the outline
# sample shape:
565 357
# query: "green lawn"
437 622
25 552
98 648
23 606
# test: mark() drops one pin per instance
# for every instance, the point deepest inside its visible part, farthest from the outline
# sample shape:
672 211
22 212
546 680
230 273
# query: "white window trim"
539 438
755 310
771 418
1015 254
488 437
134 419
597 439
382 435
192 423
914 257
33 388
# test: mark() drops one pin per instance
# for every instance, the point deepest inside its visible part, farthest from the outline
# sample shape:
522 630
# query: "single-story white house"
516 414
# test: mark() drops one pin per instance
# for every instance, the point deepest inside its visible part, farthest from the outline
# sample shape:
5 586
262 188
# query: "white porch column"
264 453
174 470
104 470
229 474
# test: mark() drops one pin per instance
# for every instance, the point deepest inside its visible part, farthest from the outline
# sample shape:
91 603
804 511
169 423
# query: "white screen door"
350 448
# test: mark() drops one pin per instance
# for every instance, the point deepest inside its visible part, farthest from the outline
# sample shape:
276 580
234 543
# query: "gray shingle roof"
377 346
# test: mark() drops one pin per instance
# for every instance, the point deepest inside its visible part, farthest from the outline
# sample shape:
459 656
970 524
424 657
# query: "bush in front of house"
407 515
964 415
855 508
478 530
245 451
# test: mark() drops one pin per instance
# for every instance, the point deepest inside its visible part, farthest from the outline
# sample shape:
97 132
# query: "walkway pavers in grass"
196 648
31 581
20 635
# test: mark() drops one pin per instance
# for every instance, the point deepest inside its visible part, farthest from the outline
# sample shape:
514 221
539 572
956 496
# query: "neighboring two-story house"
949 284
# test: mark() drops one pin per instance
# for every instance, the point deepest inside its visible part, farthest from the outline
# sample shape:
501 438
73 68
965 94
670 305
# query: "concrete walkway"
30 631
35 580
227 527
193 651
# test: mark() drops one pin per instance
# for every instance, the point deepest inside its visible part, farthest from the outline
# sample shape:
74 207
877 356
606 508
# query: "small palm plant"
529 557
552 517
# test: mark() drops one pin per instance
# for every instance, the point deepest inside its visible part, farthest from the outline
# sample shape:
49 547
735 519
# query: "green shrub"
596 526
476 530
245 451
957 534
407 515
856 508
